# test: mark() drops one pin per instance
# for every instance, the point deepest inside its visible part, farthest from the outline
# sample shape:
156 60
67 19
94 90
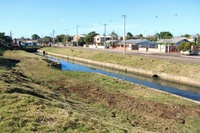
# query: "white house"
100 39
170 45
29 43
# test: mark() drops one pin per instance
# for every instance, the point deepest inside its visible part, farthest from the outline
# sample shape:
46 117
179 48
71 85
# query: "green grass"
37 98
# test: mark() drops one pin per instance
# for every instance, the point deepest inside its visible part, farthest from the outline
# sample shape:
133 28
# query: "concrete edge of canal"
164 76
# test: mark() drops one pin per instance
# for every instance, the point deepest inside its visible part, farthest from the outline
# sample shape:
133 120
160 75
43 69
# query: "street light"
124 39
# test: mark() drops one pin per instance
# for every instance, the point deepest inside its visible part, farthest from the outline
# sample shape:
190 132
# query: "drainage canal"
187 91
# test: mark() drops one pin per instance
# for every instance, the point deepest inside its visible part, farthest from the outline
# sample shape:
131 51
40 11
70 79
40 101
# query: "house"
136 44
74 41
98 40
170 45
29 43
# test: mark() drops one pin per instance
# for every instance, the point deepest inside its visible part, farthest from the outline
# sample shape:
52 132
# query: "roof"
99 36
112 41
138 41
173 40
29 41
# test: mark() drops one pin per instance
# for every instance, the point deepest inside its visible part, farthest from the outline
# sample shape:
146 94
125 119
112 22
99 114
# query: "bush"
184 46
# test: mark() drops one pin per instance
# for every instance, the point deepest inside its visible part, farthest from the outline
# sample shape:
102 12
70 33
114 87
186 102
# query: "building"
29 43
98 40
136 44
170 45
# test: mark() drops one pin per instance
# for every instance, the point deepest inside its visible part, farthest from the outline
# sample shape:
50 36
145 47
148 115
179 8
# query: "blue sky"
147 17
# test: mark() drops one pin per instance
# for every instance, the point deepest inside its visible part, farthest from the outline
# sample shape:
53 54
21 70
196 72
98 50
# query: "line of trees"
161 35
89 38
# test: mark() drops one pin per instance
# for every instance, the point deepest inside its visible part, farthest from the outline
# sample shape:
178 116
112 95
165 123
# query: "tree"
5 40
35 37
186 36
60 38
47 39
140 35
81 41
184 46
89 38
129 35
5 43
153 38
69 38
165 35
114 35
23 38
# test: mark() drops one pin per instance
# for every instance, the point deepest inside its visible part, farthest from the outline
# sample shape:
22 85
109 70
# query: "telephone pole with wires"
105 35
124 38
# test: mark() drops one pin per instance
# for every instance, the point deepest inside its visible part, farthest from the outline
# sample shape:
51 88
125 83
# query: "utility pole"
66 37
53 36
124 39
77 35
11 34
42 39
105 35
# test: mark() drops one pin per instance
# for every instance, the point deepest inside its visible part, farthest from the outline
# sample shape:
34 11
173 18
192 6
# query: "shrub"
184 46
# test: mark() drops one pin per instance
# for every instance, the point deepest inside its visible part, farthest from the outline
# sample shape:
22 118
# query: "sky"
23 18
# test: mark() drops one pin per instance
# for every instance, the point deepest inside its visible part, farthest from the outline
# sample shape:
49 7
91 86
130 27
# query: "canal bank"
164 76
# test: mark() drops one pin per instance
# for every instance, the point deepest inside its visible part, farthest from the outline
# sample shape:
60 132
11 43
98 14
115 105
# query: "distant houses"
134 44
142 45
170 45
24 43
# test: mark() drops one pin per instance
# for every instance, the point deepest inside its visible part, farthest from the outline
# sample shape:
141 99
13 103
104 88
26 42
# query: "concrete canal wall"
169 77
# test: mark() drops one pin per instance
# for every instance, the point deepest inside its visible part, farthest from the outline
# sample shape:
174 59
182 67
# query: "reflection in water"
187 91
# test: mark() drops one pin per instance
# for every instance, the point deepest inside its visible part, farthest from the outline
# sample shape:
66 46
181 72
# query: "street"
166 56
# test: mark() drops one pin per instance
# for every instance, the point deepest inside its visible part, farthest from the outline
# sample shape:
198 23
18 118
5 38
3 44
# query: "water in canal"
190 92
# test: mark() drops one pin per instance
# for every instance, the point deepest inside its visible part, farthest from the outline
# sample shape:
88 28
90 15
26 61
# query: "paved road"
166 56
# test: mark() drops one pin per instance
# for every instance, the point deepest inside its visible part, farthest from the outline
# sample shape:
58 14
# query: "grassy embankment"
157 65
36 98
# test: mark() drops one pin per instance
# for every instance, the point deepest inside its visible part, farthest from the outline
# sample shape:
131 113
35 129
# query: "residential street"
166 56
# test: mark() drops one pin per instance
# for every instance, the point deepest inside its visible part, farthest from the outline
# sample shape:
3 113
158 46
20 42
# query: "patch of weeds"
52 86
